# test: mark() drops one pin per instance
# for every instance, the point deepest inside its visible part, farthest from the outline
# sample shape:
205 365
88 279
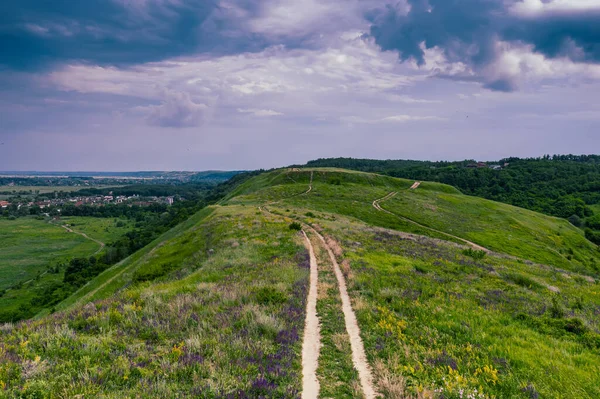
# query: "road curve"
377 205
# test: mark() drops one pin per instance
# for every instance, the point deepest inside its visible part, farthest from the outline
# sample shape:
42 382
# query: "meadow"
435 208
215 307
226 322
438 323
31 249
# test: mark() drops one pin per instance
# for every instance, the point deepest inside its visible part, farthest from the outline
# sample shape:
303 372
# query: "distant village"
96 200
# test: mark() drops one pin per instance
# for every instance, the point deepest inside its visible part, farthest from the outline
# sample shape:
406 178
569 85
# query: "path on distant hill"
102 245
311 344
377 205
415 185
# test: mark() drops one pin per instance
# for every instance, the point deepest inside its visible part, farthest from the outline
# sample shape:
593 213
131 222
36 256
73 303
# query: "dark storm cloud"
467 31
36 34
555 34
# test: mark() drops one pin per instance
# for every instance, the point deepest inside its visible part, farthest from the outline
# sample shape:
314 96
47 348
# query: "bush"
522 280
593 222
593 236
475 254
152 272
295 226
575 221
270 295
556 309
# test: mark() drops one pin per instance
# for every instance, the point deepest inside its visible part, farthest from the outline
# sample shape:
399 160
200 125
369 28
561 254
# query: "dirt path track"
102 245
311 344
359 357
377 205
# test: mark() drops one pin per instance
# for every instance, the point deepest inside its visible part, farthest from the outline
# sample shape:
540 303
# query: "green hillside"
216 306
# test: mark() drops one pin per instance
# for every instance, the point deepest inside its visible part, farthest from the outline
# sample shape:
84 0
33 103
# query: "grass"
226 325
29 247
437 322
215 307
106 230
499 227
496 226
337 376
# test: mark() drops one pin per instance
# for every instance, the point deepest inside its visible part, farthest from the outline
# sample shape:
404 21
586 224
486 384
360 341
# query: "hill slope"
216 306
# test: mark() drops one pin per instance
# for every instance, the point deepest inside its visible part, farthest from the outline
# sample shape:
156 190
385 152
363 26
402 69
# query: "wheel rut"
311 344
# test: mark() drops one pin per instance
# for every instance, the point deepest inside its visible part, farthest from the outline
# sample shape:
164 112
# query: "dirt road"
377 205
102 245
312 340
311 344
359 357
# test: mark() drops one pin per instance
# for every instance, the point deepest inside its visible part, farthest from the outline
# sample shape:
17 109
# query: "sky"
115 85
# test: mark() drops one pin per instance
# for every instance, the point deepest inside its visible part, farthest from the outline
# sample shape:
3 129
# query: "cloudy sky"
244 84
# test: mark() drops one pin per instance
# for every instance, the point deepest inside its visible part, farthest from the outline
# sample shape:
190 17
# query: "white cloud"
177 110
516 63
259 112
309 83
410 118
390 119
533 8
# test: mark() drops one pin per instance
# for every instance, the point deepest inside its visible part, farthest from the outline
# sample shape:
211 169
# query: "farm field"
216 306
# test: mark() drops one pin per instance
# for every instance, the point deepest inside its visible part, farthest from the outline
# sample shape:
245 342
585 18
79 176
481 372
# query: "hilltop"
419 290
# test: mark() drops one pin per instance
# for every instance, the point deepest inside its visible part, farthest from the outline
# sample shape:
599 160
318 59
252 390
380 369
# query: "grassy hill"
215 307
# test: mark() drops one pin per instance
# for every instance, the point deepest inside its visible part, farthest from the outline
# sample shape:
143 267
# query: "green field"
105 230
28 247
215 307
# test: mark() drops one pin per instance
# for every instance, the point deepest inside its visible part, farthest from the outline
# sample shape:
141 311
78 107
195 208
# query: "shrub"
473 253
270 295
556 309
152 272
336 181
295 226
522 280
593 236
593 222
421 269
